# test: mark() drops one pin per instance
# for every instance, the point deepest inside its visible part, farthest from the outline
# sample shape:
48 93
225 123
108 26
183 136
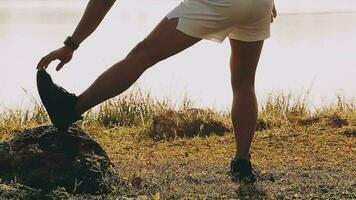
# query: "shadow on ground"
251 191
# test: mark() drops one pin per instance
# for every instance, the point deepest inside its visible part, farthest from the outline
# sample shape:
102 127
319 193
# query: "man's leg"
164 41
244 60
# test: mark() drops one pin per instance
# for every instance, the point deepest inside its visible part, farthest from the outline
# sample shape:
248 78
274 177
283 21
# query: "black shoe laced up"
59 103
241 170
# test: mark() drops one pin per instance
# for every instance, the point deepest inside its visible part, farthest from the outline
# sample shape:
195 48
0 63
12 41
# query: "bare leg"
244 60
164 41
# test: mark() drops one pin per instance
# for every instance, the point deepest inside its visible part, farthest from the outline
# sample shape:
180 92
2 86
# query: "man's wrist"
68 49
69 42
108 2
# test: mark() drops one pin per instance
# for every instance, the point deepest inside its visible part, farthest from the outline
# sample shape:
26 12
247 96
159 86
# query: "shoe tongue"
242 161
62 91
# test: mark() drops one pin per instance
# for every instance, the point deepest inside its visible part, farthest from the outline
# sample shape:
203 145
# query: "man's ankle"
243 156
78 109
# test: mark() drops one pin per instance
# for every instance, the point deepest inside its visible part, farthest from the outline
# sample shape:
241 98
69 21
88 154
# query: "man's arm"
92 17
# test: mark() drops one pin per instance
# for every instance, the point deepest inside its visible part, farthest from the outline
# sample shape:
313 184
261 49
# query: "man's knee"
243 82
144 54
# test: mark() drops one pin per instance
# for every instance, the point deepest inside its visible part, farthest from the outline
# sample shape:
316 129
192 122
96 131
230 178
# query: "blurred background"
312 48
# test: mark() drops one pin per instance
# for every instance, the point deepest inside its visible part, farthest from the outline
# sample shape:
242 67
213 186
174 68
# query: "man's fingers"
48 59
44 62
62 54
40 64
60 65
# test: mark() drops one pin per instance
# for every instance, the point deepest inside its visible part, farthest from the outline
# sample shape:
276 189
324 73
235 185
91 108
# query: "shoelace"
64 91
237 174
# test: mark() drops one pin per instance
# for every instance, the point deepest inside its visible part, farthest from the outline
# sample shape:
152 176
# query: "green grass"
178 153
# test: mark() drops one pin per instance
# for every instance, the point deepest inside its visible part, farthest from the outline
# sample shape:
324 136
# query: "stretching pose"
245 22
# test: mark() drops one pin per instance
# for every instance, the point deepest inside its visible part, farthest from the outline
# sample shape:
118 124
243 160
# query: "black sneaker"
59 103
241 170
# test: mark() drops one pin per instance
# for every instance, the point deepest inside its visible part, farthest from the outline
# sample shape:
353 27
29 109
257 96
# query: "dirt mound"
44 158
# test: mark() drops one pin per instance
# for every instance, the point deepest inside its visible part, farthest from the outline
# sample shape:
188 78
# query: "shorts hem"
184 30
250 39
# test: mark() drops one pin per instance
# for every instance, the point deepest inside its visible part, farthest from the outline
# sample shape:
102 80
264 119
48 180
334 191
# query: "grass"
165 151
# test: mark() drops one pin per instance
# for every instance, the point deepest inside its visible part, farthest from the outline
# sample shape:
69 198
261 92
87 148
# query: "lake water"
313 47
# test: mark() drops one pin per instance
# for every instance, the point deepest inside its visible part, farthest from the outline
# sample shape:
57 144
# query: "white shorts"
245 20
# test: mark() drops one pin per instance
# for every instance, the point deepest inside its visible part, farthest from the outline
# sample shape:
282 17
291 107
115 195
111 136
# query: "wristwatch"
70 43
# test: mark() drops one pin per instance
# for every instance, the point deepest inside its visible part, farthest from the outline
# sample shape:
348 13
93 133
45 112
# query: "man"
245 22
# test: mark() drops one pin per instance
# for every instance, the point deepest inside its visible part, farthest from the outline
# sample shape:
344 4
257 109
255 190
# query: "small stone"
136 182
142 197
6 188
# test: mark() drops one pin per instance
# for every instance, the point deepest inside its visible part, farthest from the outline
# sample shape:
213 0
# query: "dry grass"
188 123
300 154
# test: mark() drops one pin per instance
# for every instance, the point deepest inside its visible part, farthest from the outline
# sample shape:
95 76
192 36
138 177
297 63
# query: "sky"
285 6
29 30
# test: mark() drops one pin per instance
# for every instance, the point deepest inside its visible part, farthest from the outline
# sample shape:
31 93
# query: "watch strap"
71 44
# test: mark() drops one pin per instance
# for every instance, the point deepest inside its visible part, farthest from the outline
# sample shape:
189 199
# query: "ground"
295 163
302 155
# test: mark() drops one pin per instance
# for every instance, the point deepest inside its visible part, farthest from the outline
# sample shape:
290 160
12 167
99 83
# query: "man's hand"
93 15
63 54
273 14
